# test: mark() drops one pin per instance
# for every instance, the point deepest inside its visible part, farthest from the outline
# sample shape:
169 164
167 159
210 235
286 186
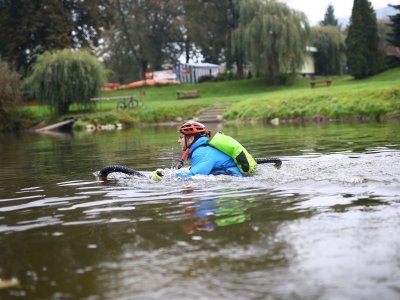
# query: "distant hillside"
382 13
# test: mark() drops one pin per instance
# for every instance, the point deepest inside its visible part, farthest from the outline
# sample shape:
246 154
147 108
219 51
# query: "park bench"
187 94
122 102
314 84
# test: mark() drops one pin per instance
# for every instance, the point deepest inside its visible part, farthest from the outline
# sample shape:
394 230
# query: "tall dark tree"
209 36
394 36
363 56
209 25
29 28
148 31
329 18
153 33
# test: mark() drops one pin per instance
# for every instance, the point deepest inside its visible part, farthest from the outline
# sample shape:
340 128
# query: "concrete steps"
213 113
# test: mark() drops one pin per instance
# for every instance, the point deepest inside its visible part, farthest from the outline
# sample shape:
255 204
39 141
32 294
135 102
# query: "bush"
80 125
10 93
205 78
10 86
64 77
225 76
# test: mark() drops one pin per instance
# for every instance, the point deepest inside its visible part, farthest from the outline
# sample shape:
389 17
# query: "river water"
323 226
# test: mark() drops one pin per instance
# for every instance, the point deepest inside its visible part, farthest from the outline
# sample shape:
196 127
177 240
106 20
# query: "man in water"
206 159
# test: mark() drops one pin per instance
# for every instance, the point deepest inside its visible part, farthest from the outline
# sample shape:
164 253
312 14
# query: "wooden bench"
187 94
314 84
122 102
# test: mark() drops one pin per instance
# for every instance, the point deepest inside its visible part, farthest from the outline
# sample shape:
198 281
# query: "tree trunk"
239 66
143 67
63 108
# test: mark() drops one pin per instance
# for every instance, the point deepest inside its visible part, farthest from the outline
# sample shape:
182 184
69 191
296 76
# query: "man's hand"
158 174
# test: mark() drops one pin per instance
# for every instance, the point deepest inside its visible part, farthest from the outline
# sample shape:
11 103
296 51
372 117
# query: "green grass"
375 96
253 100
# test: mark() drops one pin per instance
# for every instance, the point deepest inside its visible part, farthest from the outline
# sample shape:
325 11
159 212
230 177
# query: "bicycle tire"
269 160
104 172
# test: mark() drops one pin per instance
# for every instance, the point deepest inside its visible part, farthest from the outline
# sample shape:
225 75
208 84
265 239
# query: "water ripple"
313 180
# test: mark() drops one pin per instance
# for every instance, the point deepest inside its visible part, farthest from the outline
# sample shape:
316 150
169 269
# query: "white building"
308 67
191 72
164 75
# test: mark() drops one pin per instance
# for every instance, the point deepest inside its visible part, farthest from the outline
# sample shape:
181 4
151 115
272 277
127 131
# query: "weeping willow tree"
63 77
272 37
330 42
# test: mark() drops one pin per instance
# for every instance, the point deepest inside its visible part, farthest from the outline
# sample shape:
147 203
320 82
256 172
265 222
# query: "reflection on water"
323 226
207 214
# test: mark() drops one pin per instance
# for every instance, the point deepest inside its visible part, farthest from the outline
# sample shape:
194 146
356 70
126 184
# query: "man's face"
182 142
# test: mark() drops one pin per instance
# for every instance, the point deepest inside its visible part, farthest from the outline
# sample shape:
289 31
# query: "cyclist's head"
190 131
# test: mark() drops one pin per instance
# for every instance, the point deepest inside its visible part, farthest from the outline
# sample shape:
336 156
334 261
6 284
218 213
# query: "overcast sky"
315 9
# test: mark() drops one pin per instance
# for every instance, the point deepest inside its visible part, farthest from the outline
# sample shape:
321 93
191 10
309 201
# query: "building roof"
202 65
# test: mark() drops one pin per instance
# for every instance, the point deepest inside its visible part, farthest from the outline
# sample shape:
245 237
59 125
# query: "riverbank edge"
85 125
273 122
327 119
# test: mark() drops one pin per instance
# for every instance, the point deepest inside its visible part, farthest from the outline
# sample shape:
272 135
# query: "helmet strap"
187 137
186 142
187 149
183 158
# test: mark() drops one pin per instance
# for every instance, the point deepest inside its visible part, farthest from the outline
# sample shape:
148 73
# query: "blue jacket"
207 160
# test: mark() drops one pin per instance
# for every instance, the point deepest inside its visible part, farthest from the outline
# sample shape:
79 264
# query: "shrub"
80 125
10 93
225 76
10 86
205 78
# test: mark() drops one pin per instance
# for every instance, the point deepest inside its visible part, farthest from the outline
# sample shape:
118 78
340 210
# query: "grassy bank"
253 100
377 97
